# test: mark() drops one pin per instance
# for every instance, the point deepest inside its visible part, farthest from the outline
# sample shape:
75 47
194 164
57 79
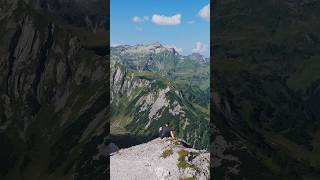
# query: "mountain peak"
145 49
159 159
156 44
198 57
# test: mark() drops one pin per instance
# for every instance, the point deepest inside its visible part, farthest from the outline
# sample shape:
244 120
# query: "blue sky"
181 23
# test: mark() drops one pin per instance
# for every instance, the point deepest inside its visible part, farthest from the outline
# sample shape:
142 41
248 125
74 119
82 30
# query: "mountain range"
152 84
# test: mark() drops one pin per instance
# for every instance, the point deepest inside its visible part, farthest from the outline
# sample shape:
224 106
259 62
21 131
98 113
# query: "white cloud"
200 48
190 22
179 50
137 19
166 20
205 12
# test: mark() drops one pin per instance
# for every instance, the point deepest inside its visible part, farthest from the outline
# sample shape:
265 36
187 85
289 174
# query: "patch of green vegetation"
183 154
189 178
166 153
273 166
145 74
184 165
307 72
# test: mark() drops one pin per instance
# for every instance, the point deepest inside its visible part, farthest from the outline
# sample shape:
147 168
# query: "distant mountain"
165 61
152 84
198 57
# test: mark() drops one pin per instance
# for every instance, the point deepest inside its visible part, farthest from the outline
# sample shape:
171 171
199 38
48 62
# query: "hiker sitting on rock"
166 131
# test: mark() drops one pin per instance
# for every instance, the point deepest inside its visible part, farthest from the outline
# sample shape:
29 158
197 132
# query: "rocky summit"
159 159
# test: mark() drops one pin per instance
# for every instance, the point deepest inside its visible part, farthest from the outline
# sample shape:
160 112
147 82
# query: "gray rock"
144 162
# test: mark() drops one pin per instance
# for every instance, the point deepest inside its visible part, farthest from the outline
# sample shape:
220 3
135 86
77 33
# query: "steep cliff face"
53 94
159 159
144 96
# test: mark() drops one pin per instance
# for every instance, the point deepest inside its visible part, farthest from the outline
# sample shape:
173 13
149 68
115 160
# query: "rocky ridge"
159 160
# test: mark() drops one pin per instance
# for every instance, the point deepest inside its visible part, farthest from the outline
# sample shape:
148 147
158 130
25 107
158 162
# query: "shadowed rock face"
159 159
88 13
54 98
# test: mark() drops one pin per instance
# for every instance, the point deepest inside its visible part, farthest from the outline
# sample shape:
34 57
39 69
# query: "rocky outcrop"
198 57
159 159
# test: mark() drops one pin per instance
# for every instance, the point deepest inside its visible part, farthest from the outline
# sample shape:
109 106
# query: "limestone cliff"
159 159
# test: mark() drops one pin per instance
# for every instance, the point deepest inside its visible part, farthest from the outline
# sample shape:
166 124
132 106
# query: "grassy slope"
129 120
267 60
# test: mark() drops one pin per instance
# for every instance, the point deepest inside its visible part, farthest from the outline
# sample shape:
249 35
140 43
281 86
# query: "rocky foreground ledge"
160 159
